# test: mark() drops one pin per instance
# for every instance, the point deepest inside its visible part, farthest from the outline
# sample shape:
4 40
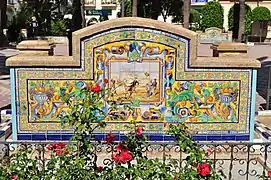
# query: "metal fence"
239 161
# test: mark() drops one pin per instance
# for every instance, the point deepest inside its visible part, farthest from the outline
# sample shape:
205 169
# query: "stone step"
263 130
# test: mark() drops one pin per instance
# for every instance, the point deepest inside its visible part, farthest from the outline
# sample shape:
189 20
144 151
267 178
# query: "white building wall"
98 6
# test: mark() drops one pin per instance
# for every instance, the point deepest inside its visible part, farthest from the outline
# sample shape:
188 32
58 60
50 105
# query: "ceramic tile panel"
149 67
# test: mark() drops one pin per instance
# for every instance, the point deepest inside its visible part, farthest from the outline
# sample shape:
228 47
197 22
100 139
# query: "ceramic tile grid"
153 67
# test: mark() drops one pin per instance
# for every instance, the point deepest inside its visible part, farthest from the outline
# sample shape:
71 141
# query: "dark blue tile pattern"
151 137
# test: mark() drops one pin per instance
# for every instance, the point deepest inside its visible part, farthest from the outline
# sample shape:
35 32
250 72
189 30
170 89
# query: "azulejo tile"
153 68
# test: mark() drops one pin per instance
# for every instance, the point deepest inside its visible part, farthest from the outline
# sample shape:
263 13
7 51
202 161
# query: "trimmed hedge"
261 14
194 20
212 15
233 19
194 16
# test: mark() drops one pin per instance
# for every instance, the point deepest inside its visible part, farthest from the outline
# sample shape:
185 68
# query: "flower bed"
86 158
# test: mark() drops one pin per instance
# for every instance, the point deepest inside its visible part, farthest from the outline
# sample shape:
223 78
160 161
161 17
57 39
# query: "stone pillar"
268 36
229 49
35 48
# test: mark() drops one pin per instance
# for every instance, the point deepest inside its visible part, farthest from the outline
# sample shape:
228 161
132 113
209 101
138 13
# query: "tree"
261 14
134 12
241 30
43 10
194 19
233 19
127 8
153 8
83 13
76 15
3 16
3 20
186 13
173 8
156 9
212 15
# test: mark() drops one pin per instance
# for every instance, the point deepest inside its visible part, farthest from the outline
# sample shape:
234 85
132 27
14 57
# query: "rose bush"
127 160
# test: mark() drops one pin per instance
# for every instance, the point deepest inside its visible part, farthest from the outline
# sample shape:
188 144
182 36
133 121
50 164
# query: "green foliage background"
59 27
212 15
261 14
233 19
195 19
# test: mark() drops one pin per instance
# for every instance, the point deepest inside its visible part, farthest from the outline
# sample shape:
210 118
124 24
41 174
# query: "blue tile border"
200 138
214 138
66 137
121 137
54 137
24 137
242 138
228 138
38 137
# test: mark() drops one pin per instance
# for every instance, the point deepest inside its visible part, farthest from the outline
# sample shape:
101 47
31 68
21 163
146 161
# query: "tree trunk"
4 15
76 16
122 8
186 13
134 12
83 13
3 21
241 29
156 9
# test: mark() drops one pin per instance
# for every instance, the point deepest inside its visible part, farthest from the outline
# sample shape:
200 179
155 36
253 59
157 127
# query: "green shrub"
20 21
212 15
233 19
58 27
194 16
194 19
261 14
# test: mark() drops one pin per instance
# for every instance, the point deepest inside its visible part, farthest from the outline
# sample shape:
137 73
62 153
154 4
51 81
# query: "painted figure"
168 79
169 63
100 63
149 89
132 87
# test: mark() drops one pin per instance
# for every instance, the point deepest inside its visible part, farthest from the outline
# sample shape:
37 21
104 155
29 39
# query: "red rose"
139 131
125 156
100 168
96 88
122 155
120 147
203 169
59 152
14 177
116 158
269 174
60 146
51 147
109 138
105 80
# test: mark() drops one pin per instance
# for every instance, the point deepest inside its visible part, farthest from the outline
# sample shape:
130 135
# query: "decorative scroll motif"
151 69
